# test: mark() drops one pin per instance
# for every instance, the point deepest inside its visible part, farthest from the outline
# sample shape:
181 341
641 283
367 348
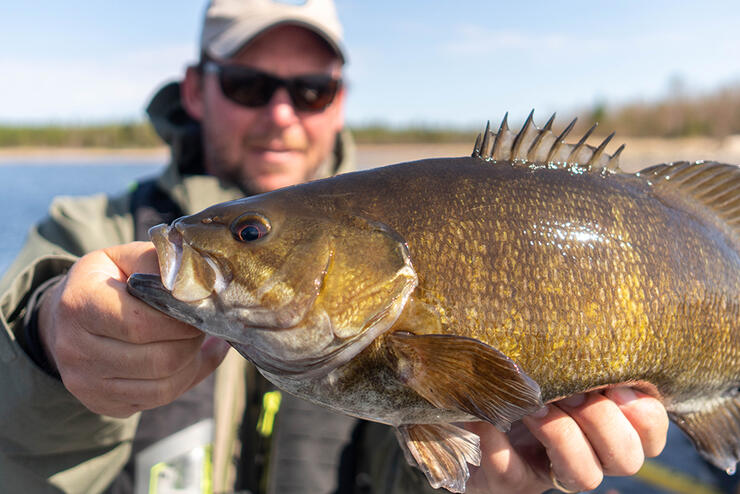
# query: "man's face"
265 148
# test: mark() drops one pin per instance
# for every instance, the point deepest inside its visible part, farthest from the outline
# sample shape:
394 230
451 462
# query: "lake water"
26 190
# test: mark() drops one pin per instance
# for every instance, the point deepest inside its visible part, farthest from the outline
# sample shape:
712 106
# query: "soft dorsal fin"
714 185
536 146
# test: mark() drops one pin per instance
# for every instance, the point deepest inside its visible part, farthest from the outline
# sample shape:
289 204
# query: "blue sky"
411 62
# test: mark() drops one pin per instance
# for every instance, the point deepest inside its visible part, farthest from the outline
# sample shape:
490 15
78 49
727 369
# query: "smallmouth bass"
477 288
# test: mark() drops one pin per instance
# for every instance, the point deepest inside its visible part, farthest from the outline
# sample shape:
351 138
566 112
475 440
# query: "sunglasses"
253 88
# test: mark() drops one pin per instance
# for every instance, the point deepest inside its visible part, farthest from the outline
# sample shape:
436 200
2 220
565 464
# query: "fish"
431 293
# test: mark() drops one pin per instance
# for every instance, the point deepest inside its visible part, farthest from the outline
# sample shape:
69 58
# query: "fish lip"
169 243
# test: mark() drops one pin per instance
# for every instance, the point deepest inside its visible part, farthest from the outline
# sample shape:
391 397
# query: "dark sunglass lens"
246 86
313 93
253 88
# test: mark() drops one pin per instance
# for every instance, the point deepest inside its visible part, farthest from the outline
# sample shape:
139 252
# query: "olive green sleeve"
49 442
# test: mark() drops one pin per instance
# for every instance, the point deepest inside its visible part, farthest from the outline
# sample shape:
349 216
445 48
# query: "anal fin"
715 430
460 373
441 451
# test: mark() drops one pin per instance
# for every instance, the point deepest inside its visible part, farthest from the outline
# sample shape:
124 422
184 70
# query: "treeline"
125 135
712 115
142 135
379 134
716 114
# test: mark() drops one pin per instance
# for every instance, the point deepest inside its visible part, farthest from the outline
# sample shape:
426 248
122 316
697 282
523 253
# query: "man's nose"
281 108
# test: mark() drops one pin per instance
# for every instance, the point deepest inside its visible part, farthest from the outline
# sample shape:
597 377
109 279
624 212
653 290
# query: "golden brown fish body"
476 289
582 279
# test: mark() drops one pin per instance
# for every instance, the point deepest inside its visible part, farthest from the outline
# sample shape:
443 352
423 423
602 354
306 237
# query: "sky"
431 63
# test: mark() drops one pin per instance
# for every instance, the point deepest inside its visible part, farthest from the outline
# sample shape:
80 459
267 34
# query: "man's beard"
235 170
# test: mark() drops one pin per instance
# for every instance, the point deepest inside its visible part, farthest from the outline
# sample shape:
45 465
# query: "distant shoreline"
639 152
81 155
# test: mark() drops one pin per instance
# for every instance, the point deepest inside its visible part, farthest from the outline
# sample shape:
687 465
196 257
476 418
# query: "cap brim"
240 34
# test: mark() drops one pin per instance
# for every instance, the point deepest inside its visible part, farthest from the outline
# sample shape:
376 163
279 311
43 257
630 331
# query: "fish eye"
250 227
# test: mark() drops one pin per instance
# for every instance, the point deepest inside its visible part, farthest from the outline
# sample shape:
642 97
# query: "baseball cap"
231 24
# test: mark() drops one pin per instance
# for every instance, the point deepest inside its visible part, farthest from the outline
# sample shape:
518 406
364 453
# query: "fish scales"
477 288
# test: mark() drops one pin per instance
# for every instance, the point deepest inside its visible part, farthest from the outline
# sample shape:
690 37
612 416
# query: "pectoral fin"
441 451
459 373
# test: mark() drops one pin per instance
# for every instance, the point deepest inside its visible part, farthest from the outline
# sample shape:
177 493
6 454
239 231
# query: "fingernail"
216 346
542 412
574 400
622 395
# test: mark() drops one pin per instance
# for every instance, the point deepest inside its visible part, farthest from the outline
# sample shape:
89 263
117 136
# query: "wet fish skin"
478 288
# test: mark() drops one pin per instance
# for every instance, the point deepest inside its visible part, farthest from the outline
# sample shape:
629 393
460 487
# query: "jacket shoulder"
82 224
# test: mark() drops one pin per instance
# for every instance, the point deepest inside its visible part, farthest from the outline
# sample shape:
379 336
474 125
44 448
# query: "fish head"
298 287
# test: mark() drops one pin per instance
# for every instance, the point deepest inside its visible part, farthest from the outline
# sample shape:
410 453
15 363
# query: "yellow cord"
270 406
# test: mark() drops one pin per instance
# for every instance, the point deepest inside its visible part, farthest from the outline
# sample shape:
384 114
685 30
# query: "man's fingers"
610 434
646 414
212 353
144 394
115 313
574 462
573 443
142 323
126 396
589 435
499 463
134 257
110 358
114 353
502 469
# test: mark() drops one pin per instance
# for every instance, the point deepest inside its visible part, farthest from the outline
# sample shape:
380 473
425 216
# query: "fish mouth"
149 289
189 274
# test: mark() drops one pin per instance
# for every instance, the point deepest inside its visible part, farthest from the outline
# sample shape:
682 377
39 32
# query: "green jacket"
49 442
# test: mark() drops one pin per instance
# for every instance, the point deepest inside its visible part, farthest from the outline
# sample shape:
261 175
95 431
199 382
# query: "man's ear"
191 92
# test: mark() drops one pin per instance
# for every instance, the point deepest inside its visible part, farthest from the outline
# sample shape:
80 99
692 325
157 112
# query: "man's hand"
115 353
574 443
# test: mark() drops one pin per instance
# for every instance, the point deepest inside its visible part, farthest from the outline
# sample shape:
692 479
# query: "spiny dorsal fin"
486 137
503 130
600 150
714 185
613 163
576 151
520 136
537 146
560 140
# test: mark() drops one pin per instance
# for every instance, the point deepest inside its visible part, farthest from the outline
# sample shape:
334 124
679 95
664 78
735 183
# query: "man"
81 358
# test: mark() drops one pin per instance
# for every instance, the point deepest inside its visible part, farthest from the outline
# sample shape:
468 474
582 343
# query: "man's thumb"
134 257
212 353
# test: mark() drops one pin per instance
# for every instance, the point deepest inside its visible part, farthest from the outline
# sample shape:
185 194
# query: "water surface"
26 190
